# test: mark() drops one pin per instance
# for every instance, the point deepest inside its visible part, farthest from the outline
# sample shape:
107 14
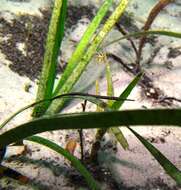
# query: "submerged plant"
50 102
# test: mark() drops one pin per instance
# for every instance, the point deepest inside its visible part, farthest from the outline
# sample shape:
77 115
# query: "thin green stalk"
54 39
116 105
144 33
98 109
120 137
110 92
110 88
81 134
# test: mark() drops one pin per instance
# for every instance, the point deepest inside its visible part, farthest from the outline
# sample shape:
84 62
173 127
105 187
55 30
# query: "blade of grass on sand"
75 162
92 120
54 39
73 78
144 33
168 166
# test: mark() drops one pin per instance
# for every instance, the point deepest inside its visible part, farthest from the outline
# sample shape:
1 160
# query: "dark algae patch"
31 32
75 13
173 53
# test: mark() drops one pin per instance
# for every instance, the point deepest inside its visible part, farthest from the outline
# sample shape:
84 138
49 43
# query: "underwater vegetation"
108 117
